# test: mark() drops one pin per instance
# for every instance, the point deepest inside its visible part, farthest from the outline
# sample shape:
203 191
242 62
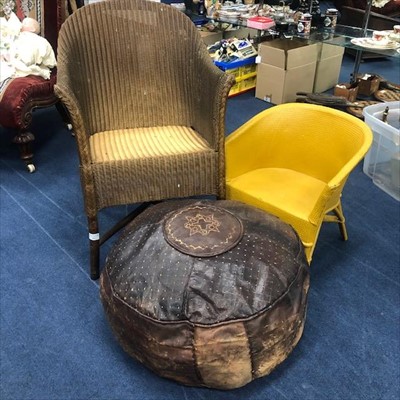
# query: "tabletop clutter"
274 19
262 44
270 21
234 30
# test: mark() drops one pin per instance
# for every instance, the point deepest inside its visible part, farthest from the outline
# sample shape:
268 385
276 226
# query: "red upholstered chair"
21 96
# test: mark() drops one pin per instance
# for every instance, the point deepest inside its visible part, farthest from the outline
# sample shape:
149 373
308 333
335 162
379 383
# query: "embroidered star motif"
203 224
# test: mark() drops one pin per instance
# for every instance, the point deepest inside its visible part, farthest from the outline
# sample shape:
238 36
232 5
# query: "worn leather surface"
202 230
218 321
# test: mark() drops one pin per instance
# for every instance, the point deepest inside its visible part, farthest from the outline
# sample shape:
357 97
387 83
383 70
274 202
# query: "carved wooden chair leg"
24 140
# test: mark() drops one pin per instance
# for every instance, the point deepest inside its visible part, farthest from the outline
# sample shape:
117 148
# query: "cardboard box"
326 50
210 38
239 33
346 90
367 84
329 63
287 54
276 85
287 67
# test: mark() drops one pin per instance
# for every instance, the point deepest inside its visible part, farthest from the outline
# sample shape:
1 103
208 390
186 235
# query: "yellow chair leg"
308 251
339 219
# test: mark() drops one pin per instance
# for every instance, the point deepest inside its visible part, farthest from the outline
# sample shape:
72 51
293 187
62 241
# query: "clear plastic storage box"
382 162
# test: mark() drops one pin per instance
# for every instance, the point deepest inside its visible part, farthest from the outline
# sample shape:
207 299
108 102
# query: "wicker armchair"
147 106
296 167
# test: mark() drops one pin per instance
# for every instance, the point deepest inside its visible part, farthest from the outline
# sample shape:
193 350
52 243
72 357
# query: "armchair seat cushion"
163 160
268 185
266 188
148 142
21 95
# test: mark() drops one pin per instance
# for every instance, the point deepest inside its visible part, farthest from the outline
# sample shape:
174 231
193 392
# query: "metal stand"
364 27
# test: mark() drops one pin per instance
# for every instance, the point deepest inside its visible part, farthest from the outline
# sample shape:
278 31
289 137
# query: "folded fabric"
9 30
31 54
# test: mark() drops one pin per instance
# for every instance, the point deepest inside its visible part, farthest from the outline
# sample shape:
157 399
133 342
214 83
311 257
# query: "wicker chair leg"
94 238
341 221
96 241
24 140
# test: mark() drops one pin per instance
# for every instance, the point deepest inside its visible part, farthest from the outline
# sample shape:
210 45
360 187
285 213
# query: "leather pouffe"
207 293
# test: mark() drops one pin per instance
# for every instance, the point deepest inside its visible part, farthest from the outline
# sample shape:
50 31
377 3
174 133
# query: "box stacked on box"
327 71
286 67
244 71
382 162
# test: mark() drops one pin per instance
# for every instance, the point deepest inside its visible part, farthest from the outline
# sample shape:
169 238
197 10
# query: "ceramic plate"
368 43
394 36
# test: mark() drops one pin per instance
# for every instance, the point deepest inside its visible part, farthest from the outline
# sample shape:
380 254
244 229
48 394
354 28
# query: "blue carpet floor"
56 343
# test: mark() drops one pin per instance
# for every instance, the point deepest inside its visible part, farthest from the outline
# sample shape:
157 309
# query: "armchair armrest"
211 90
67 97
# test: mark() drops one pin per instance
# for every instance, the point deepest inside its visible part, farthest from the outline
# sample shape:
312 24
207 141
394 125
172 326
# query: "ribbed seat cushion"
142 143
152 163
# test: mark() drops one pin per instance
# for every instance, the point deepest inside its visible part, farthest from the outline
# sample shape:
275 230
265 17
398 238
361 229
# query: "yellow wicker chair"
293 160
147 106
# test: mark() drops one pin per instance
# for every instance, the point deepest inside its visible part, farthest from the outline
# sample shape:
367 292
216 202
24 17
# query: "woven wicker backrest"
133 63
